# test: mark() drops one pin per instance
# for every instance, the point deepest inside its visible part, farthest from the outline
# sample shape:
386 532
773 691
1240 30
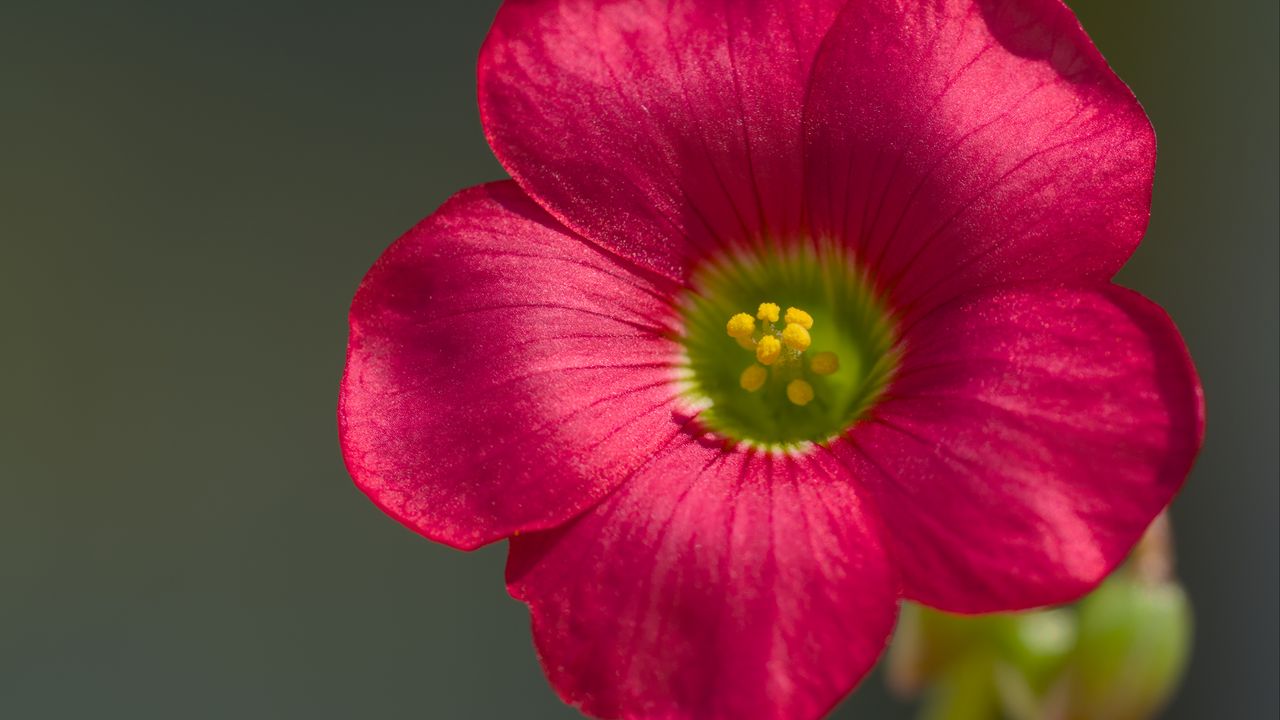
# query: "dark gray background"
189 194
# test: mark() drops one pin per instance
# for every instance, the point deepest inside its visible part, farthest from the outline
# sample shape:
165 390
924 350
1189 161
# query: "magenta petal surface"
963 143
713 586
1029 439
658 128
502 374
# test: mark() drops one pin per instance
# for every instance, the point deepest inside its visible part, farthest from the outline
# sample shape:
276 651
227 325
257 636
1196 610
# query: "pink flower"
706 518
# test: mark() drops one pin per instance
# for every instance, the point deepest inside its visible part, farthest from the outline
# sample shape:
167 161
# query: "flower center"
782 350
780 378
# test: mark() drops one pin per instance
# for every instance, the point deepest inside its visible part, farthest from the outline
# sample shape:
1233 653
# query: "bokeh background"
189 195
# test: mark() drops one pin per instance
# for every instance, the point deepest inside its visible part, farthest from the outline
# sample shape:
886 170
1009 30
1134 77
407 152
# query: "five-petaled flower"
794 308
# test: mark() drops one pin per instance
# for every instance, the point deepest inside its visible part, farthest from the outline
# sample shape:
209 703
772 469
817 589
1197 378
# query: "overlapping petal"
1030 438
501 373
659 128
963 143
715 585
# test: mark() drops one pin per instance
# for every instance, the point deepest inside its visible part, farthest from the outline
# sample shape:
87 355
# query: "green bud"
1133 646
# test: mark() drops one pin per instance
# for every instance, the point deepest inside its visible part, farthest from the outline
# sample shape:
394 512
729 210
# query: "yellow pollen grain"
752 379
768 350
741 326
795 336
799 392
799 317
768 312
824 363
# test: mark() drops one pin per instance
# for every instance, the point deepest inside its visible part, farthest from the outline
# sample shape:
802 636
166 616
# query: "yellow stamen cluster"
780 351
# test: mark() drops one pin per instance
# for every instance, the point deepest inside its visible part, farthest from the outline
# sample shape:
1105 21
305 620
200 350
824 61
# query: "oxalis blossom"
793 309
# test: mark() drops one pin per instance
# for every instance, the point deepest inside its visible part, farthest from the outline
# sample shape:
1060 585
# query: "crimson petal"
716 585
502 374
1027 443
963 143
658 128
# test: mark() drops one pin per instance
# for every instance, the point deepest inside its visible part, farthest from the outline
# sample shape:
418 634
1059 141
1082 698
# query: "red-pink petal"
1027 442
658 128
962 143
502 374
716 585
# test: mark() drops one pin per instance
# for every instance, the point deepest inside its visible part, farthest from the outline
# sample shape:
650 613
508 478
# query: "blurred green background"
189 195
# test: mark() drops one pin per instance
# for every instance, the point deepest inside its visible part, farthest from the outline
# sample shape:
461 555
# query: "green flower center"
784 346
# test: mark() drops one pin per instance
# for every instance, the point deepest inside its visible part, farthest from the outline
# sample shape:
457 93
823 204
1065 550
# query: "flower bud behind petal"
1133 646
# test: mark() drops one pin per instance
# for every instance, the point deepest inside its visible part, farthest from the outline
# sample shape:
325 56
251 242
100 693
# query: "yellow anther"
824 363
799 392
746 343
768 350
741 326
768 312
799 317
752 379
795 336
